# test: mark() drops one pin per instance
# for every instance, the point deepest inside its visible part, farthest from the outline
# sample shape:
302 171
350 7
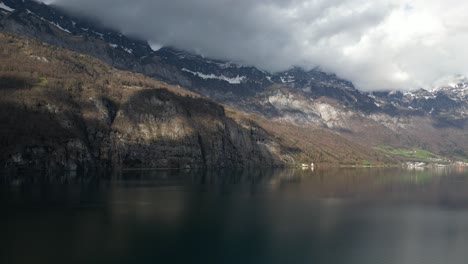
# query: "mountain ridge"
306 100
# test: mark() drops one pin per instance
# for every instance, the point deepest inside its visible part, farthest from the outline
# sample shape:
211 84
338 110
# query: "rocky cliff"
64 110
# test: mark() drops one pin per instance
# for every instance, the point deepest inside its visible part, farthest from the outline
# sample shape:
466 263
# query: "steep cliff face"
155 128
63 110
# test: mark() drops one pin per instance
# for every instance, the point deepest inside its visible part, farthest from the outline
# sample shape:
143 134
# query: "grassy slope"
414 154
309 144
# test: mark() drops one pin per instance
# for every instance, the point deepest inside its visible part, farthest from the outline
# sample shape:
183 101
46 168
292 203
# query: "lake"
346 215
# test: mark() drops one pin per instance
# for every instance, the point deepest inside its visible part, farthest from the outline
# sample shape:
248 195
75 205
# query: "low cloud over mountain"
388 44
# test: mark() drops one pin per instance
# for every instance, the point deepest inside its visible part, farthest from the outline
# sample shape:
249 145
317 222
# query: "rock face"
157 129
69 111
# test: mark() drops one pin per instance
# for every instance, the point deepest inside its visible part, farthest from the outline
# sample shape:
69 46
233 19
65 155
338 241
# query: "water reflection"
327 215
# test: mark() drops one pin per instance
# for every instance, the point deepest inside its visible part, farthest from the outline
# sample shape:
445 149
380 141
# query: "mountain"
219 80
64 110
313 115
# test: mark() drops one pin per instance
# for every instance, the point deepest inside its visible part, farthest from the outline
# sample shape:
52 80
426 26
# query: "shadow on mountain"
161 129
11 82
32 139
21 126
343 130
153 128
447 122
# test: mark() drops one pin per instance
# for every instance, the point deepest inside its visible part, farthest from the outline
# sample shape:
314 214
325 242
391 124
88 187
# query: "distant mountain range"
307 102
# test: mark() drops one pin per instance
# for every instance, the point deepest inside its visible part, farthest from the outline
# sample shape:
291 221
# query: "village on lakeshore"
415 165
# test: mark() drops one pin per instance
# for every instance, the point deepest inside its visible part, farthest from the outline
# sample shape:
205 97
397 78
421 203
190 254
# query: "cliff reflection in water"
359 183
237 216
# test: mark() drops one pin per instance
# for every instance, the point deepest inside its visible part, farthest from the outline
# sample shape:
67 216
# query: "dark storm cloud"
365 41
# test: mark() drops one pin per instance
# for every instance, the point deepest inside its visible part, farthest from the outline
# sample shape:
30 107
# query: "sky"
376 44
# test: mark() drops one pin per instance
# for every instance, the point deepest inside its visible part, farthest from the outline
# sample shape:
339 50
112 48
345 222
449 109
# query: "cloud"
386 44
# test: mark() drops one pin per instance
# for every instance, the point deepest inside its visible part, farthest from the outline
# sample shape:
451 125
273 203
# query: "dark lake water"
251 216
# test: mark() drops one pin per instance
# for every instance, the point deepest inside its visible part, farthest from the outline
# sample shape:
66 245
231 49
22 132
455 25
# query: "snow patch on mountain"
236 80
56 25
101 35
452 81
61 28
5 7
287 79
115 46
130 51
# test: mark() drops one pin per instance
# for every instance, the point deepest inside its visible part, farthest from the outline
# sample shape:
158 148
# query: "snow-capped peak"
453 82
